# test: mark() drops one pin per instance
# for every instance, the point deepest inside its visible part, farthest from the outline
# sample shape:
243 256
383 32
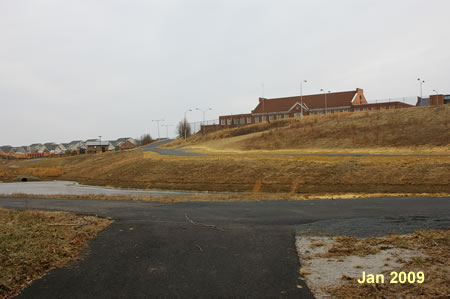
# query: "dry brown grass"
45 172
434 244
34 242
305 175
244 196
422 128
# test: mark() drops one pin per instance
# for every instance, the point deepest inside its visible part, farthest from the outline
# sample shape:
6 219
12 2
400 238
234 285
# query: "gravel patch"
324 272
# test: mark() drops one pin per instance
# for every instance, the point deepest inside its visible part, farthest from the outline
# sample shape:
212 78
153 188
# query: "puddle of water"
73 188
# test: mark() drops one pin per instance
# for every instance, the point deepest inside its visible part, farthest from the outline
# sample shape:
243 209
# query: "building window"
278 116
383 107
263 118
286 116
374 108
236 121
391 107
356 109
229 121
345 110
249 120
222 122
297 114
256 119
271 117
365 109
242 120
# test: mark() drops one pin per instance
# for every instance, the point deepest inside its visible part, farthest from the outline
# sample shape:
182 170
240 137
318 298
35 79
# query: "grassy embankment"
240 160
402 131
34 242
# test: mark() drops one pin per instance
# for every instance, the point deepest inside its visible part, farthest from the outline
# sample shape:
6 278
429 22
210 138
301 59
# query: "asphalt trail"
152 251
152 147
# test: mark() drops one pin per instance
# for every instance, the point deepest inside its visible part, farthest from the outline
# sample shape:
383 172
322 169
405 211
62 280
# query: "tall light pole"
420 83
325 95
185 122
100 143
434 90
301 94
204 112
167 130
157 122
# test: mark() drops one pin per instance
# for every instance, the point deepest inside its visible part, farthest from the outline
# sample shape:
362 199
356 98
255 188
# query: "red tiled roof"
316 101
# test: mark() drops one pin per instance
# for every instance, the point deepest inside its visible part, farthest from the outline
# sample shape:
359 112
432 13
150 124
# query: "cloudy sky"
78 69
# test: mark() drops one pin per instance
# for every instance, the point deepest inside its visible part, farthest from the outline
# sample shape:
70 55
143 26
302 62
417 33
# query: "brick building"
94 147
288 107
436 99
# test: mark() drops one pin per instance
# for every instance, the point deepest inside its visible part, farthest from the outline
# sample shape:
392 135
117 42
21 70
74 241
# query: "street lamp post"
420 83
167 130
100 142
185 123
325 95
301 95
434 90
157 122
204 112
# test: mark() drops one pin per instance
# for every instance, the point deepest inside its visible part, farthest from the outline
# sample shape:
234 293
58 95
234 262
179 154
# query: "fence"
197 126
408 100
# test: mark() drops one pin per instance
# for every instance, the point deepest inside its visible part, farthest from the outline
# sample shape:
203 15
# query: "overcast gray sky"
78 69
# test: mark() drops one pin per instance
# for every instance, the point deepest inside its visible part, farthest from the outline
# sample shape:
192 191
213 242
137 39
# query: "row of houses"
324 103
77 146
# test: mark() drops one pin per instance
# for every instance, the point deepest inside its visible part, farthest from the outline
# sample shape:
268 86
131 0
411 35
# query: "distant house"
77 146
124 143
55 148
37 148
20 150
6 149
94 147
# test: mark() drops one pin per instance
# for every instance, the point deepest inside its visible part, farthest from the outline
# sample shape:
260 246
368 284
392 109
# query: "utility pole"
420 83
301 94
157 122
167 130
100 143
325 95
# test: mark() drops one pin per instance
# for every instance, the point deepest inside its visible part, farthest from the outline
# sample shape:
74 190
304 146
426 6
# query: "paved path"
171 152
151 250
178 152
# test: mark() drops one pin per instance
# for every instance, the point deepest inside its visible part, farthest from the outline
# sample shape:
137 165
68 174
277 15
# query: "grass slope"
418 127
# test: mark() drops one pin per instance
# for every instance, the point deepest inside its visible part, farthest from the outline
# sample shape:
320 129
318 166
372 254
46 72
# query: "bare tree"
145 139
184 129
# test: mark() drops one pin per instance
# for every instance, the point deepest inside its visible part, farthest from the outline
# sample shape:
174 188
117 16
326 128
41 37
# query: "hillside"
274 157
418 127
